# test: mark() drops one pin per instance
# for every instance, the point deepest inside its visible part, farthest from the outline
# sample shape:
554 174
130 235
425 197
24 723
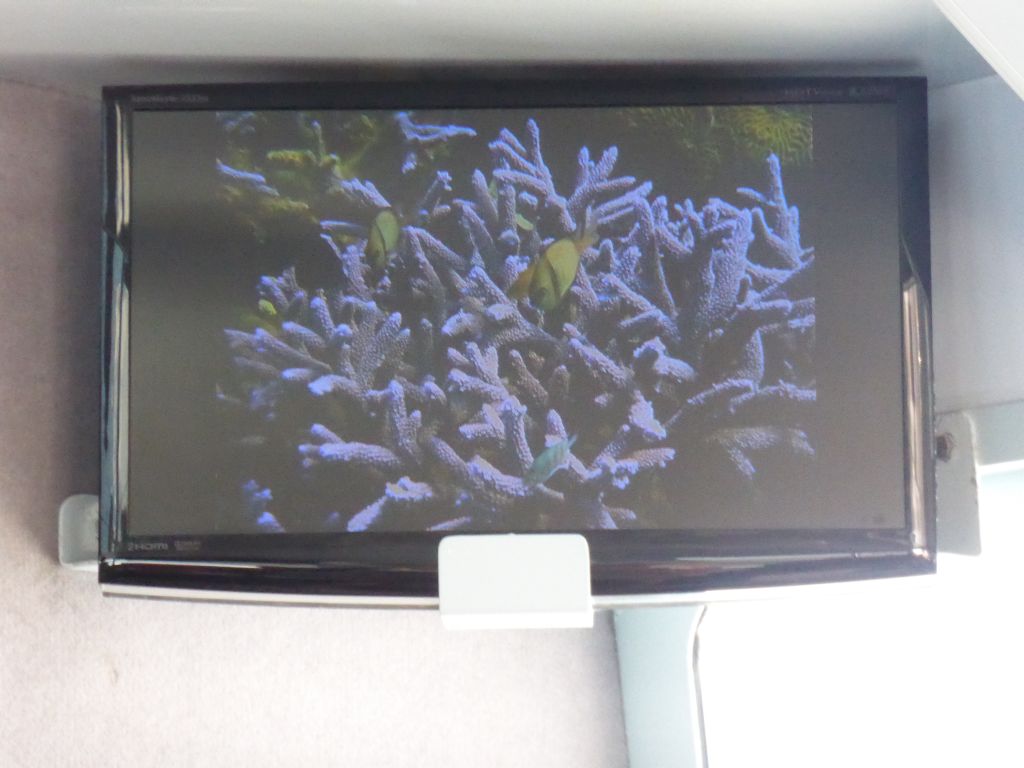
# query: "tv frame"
401 568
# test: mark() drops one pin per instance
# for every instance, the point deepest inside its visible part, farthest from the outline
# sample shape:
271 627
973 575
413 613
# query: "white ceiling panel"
318 29
83 43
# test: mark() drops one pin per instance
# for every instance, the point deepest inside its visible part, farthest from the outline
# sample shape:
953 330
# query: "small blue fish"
552 459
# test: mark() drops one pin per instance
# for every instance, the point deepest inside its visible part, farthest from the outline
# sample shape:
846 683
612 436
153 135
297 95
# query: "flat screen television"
685 318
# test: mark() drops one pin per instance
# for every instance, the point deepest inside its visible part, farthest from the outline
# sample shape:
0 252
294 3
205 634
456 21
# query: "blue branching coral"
436 401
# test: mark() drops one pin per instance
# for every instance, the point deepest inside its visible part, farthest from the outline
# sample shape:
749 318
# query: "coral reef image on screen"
514 320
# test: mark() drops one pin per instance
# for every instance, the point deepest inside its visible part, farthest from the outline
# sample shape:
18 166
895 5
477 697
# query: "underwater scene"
514 320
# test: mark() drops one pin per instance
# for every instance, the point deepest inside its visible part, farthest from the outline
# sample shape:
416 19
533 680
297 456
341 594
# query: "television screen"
674 317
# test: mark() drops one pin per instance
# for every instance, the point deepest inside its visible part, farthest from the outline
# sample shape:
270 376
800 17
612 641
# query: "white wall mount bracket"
661 698
78 532
973 443
956 479
515 581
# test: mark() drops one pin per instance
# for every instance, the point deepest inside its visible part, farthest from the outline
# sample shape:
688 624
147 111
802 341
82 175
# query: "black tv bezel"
389 567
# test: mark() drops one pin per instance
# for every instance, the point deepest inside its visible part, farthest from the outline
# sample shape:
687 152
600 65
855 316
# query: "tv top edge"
458 86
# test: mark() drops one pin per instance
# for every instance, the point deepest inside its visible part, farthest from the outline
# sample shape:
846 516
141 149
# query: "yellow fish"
383 239
550 276
253 321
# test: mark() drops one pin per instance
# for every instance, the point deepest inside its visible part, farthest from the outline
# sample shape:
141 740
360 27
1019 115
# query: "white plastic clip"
78 532
515 581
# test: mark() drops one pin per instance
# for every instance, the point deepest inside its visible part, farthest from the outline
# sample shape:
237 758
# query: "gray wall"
86 681
977 182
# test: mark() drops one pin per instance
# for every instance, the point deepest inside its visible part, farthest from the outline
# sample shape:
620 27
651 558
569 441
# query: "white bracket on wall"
980 441
999 436
661 700
515 581
956 481
78 532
